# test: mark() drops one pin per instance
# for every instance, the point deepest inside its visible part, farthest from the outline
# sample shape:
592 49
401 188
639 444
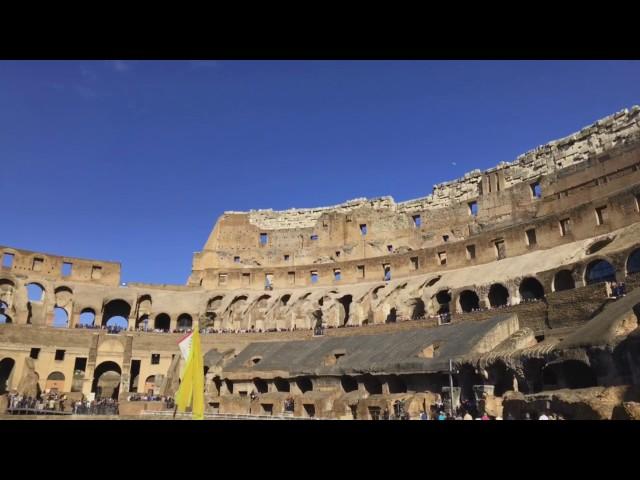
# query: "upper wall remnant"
612 131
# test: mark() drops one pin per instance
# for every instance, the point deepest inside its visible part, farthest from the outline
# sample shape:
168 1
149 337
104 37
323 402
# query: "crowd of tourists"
616 289
51 402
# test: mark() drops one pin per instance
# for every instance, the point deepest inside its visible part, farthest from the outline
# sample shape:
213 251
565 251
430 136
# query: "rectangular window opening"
601 215
531 237
536 190
473 209
445 238
442 258
471 252
268 279
246 278
500 249
96 272
417 221
565 226
337 254
286 258
314 276
336 274
222 279
314 237
387 271
35 352
360 270
291 277
59 354
415 263
37 264
363 229
155 358
389 248
7 260
236 259
264 238
66 269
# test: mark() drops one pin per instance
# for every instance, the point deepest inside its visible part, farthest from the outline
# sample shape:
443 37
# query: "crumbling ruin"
339 312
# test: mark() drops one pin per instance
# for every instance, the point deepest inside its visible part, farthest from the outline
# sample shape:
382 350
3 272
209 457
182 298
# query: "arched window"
498 295
531 289
633 262
87 317
184 321
600 271
61 318
35 292
469 301
116 314
563 280
162 322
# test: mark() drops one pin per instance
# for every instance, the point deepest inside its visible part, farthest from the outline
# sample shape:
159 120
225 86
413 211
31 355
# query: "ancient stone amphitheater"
505 275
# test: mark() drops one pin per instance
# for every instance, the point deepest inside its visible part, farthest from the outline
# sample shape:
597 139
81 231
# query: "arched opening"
150 385
469 301
6 367
531 289
55 382
396 384
106 380
60 318
185 322
35 292
498 295
418 310
162 322
392 317
346 304
304 384
260 385
633 262
578 375
599 245
4 318
217 384
502 378
600 271
284 299
143 321
118 311
281 384
443 297
563 280
372 384
214 303
349 384
87 317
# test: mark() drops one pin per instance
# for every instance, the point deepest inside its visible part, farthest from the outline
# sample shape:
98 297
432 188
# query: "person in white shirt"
543 417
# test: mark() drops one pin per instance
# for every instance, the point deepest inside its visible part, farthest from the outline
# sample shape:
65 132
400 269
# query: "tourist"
467 416
543 417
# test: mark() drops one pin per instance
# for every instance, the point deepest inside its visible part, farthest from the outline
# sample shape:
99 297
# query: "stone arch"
143 309
150 385
633 262
87 317
35 292
443 299
4 318
345 302
598 271
6 370
214 303
118 310
498 295
55 381
60 317
468 301
396 384
563 280
284 299
418 309
162 322
106 380
530 289
184 322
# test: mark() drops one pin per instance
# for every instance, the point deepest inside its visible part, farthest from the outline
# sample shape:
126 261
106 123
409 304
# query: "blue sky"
134 161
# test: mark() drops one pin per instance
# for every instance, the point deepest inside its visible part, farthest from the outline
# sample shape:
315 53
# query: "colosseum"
514 289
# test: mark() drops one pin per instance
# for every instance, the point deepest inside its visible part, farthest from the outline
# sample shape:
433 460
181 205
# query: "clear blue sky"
134 161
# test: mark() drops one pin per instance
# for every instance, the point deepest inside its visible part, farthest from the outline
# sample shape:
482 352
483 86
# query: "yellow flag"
191 390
